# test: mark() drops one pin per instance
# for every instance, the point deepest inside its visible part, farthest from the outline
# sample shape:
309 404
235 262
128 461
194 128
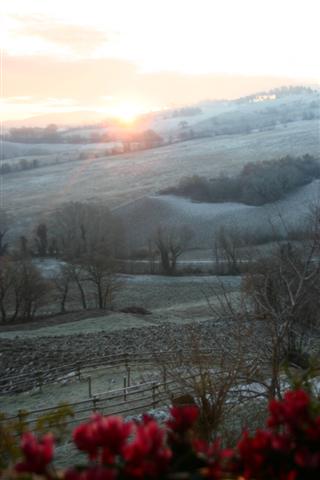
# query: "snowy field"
141 218
174 300
119 180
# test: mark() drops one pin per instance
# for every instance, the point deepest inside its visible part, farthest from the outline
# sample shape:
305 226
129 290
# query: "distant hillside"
60 118
142 217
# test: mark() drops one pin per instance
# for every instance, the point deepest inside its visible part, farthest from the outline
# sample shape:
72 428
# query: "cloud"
82 40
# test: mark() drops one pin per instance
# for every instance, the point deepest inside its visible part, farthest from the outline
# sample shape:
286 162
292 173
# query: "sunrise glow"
127 112
72 56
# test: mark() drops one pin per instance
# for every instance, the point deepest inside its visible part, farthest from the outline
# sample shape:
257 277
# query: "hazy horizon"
126 58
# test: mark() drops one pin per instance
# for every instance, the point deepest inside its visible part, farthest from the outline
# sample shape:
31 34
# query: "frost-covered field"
117 180
141 218
12 150
169 299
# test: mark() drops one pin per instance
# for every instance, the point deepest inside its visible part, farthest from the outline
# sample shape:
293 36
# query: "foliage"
55 421
258 183
11 430
287 448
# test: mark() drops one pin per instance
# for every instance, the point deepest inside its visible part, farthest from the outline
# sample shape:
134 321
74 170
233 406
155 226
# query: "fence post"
129 376
153 395
78 370
89 387
21 417
94 401
39 380
165 378
124 389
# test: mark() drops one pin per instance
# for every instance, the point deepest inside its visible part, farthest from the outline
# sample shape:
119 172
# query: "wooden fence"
125 401
38 378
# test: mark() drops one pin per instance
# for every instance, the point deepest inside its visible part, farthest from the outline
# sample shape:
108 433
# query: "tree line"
88 244
257 183
85 239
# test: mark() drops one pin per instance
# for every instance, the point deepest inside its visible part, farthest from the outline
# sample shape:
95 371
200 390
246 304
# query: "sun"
127 112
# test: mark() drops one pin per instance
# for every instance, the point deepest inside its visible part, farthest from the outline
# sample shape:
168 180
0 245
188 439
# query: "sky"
124 57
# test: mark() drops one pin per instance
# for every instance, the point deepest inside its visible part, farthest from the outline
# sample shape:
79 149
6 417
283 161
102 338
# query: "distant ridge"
69 119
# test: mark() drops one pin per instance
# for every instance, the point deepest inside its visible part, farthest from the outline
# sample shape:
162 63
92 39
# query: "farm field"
164 297
141 218
174 303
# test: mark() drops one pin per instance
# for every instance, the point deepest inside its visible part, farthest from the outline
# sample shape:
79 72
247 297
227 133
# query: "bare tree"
33 289
77 275
152 255
41 239
100 272
226 250
279 309
206 377
5 221
7 282
85 228
22 290
62 284
285 297
171 242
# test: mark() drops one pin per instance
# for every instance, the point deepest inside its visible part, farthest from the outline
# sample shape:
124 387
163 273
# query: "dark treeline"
257 183
185 112
51 134
23 164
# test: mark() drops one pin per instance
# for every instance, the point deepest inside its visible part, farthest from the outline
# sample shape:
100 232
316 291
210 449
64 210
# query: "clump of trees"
170 243
142 140
89 239
4 228
22 289
49 134
85 229
258 182
86 239
23 164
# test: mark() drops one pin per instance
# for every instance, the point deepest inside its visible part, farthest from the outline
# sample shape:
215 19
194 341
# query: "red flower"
147 455
183 418
38 453
85 438
112 433
216 458
293 410
108 434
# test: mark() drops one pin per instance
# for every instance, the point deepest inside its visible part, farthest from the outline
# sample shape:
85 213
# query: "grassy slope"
120 179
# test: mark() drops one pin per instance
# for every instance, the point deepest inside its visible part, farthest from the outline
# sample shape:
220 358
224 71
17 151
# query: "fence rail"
25 381
129 400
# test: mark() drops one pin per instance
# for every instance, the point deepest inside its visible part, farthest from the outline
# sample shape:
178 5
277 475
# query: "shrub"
288 448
